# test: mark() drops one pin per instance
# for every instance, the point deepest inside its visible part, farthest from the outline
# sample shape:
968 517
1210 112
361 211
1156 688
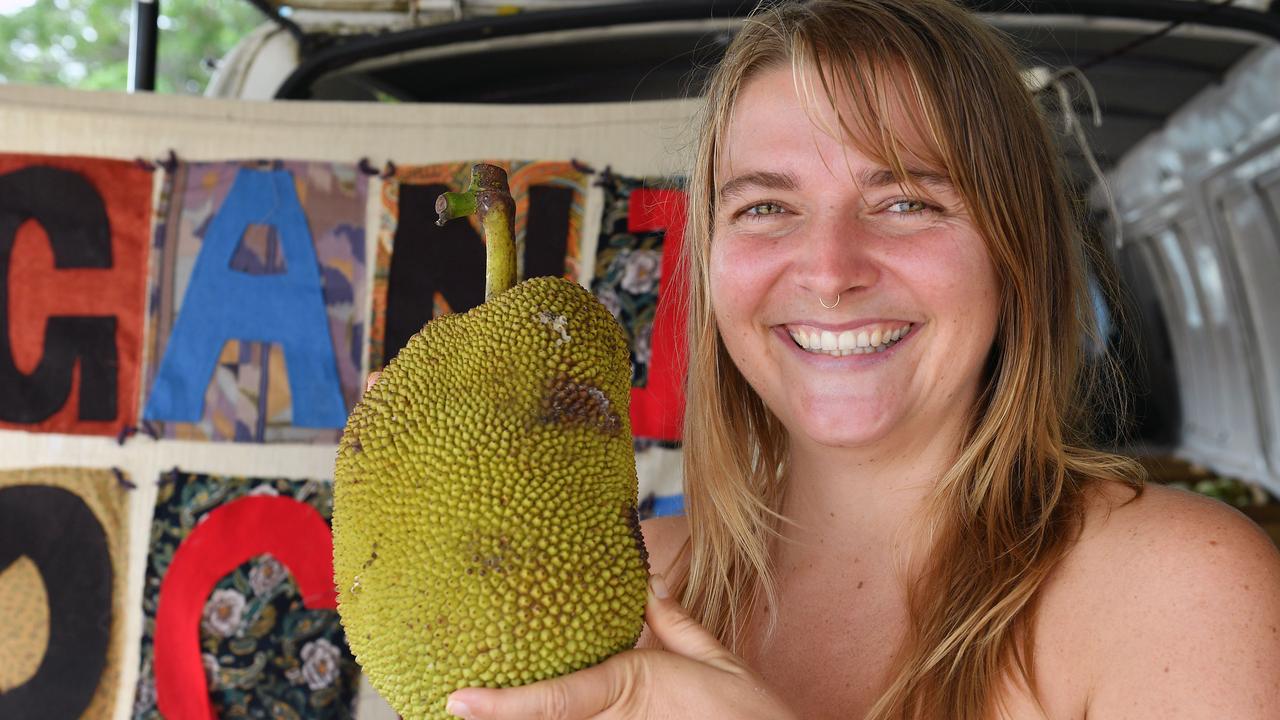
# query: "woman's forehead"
871 122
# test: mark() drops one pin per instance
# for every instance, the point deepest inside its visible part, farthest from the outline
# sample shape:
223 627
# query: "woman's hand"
694 677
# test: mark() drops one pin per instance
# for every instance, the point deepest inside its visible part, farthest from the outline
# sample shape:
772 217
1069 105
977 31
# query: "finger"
575 696
373 378
678 632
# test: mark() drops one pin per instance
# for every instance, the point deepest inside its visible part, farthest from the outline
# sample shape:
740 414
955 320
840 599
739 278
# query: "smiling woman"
815 218
893 508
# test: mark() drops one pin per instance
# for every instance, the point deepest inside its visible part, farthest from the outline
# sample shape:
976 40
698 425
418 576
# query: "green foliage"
85 43
1229 490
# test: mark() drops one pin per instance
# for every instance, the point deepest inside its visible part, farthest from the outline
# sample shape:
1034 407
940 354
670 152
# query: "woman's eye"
909 207
765 208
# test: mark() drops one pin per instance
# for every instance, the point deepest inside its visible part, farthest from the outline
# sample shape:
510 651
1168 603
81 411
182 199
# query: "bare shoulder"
1174 603
663 538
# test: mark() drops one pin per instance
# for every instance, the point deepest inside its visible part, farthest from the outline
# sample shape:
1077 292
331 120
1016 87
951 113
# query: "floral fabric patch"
629 268
265 652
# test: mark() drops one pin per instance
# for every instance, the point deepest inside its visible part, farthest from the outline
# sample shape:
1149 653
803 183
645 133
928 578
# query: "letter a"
223 304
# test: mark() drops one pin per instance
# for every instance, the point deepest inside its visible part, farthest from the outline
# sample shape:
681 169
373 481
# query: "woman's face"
802 219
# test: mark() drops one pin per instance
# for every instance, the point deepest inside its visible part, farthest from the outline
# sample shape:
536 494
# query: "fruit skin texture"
485 521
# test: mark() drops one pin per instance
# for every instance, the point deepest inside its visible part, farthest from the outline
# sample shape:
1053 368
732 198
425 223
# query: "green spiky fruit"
485 524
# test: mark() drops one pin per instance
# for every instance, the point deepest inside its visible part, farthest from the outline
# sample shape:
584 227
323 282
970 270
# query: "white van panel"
1203 195
257 66
1144 252
1243 199
1237 447
1191 342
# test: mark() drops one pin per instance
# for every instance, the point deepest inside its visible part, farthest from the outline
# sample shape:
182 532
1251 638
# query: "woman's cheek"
741 265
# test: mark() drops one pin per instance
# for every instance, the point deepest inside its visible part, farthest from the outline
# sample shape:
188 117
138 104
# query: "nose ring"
832 305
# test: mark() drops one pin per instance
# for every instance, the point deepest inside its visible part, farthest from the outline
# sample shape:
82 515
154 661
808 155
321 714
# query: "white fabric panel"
257 66
633 138
638 138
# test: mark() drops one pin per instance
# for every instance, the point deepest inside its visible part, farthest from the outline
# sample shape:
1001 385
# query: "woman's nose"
836 257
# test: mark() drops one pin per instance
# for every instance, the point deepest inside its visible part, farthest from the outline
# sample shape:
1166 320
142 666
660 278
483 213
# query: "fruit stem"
489 197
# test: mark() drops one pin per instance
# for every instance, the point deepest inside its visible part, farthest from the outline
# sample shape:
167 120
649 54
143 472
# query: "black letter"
62 536
427 259
75 219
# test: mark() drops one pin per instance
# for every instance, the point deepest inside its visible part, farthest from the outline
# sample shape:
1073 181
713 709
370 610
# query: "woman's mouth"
870 339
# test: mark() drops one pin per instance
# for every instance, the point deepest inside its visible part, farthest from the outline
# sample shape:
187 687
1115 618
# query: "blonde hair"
1012 504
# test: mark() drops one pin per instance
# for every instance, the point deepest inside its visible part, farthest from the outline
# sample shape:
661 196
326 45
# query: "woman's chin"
845 431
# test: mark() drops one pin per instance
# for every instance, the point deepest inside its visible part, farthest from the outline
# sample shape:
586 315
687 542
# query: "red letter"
657 411
291 531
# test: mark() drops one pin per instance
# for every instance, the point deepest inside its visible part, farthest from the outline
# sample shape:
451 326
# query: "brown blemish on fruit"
570 403
632 515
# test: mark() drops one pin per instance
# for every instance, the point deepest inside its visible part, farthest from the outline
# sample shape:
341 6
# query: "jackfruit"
485 522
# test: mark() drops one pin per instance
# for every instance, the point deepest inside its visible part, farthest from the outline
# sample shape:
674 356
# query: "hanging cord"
1059 82
1209 9
1071 122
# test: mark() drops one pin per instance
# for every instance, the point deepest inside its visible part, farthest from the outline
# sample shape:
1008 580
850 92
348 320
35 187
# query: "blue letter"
222 304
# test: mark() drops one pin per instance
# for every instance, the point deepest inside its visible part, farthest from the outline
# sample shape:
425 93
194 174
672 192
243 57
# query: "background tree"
85 43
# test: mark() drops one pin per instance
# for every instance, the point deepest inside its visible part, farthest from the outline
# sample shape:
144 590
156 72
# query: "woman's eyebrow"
869 178
759 178
881 177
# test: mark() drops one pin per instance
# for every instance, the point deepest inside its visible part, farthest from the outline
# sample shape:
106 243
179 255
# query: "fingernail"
659 587
457 708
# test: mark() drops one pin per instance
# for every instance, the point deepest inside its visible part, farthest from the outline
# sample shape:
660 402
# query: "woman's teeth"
848 342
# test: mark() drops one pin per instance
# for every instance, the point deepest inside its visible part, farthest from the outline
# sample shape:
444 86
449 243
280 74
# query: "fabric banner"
257 304
73 257
240 615
63 571
423 271
637 277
